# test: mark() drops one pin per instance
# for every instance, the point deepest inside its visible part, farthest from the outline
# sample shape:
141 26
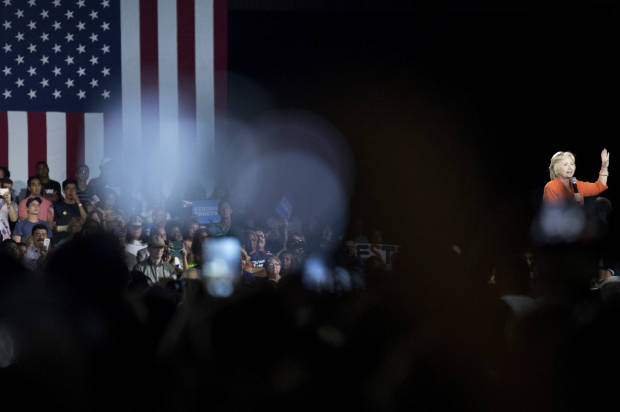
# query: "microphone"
573 180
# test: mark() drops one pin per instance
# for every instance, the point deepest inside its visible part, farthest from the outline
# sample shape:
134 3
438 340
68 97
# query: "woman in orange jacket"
561 170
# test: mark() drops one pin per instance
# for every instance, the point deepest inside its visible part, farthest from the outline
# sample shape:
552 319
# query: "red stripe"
75 141
37 140
149 73
4 138
186 71
220 64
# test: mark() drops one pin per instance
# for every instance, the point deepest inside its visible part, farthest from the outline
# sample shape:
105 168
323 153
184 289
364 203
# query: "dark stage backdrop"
452 114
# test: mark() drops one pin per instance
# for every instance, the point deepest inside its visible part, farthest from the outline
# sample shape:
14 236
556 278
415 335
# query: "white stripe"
56 124
18 148
93 139
168 92
168 73
205 84
130 73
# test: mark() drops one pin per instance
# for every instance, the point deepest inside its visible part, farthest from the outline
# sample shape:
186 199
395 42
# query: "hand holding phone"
46 243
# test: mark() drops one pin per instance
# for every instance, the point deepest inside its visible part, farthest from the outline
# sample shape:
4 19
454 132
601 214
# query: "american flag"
81 80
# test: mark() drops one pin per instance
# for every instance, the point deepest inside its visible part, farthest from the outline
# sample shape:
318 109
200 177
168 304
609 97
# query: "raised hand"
604 159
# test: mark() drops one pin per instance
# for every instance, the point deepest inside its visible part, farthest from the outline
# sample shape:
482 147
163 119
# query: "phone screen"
221 267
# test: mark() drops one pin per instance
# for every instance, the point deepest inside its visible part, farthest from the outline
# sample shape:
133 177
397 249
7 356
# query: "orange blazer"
556 192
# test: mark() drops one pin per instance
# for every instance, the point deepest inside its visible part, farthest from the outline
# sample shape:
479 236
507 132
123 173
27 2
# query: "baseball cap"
156 241
32 199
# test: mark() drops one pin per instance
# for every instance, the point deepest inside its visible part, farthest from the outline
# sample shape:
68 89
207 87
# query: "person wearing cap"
154 268
24 227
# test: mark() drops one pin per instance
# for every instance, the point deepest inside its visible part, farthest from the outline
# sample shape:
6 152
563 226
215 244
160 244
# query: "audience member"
50 188
81 177
36 253
24 227
155 268
69 207
46 211
8 209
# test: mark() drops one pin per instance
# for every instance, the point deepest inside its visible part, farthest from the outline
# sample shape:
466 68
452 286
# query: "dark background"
452 111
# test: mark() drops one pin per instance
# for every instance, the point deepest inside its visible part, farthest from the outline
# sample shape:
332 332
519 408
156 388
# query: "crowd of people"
105 306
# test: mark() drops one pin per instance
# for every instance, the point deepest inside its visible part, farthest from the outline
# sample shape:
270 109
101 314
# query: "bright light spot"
221 265
559 224
316 275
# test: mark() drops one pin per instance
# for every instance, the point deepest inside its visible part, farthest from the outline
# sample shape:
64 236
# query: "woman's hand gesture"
604 159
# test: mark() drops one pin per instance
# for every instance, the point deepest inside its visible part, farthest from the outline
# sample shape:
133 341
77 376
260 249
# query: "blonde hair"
556 159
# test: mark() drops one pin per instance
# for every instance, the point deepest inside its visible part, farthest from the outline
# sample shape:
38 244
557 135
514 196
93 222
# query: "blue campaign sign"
284 208
206 211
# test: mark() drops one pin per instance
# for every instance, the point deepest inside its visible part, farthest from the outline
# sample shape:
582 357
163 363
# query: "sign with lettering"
384 251
206 211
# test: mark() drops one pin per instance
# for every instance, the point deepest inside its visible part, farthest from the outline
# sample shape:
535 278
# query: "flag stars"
94 37
57 48
94 15
56 3
106 94
69 37
32 25
69 14
7 94
57 71
81 26
56 25
7 25
7 2
81 72
80 4
94 83
19 13
19 36
105 3
32 71
32 48
19 82
45 14
44 83
32 94
105 49
7 47
44 59
32 3
105 26
45 37
6 71
69 60
105 72
94 60
19 59
81 94
81 49
69 83
57 94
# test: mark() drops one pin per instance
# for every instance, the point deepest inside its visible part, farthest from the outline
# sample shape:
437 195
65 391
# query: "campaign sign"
206 211
284 208
385 252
